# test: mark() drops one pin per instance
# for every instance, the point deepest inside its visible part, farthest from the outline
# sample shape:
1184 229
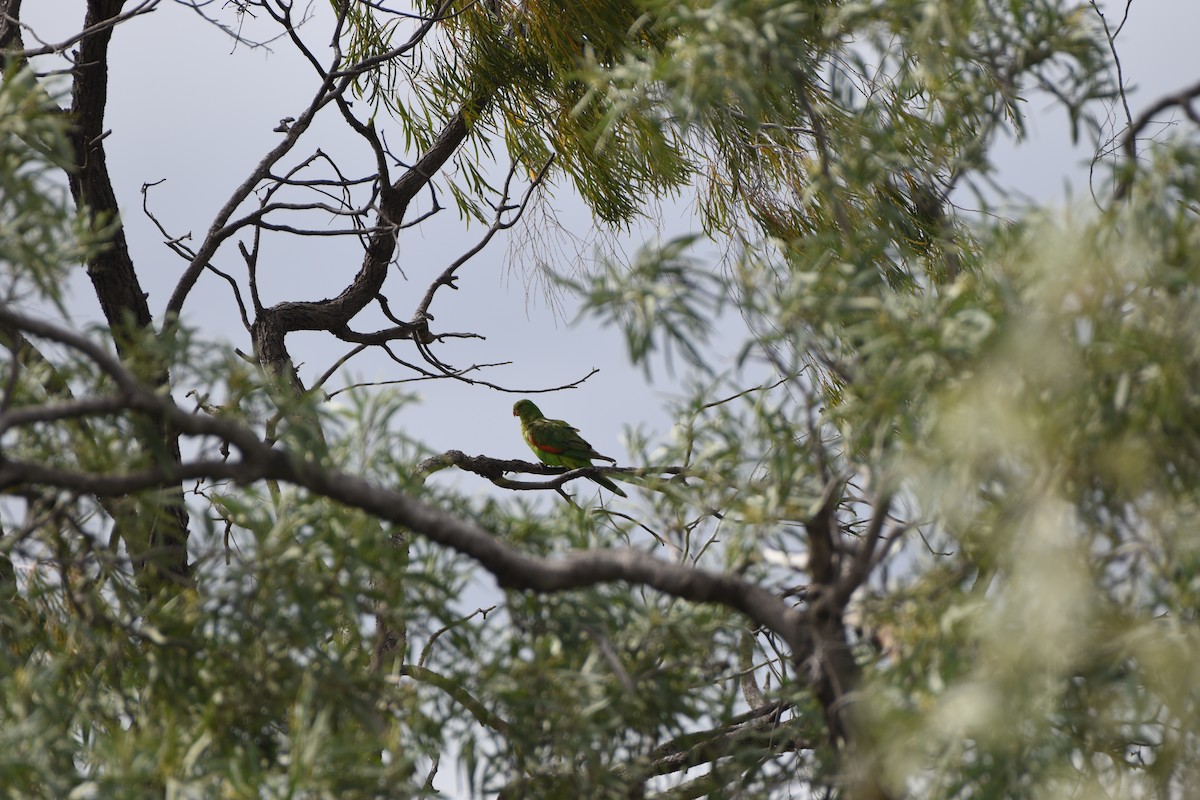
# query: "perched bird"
557 444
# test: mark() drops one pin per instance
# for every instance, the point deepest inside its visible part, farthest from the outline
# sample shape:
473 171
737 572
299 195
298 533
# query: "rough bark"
155 536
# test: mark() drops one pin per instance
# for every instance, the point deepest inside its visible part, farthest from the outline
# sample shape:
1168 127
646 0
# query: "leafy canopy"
922 525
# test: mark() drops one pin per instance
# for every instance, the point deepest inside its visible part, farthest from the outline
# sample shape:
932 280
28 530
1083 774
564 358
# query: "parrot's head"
526 410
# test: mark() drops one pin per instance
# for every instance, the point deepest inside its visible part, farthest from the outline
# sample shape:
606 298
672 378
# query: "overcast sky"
190 109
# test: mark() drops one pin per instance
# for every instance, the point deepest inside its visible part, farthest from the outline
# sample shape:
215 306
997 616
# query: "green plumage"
557 444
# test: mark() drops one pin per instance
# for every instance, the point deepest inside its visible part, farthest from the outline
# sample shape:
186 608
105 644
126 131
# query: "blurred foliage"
1026 390
38 237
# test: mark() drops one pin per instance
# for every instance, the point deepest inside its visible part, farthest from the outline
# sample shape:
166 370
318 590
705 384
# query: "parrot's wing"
559 444
570 445
549 436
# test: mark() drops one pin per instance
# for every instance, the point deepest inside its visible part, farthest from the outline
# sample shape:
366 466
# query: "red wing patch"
545 448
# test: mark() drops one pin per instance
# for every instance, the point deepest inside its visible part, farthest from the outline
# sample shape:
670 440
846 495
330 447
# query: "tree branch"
511 568
116 283
1184 99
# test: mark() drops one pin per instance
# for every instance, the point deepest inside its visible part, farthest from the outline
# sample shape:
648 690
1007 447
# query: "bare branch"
493 469
511 568
218 232
864 559
448 278
102 25
1183 99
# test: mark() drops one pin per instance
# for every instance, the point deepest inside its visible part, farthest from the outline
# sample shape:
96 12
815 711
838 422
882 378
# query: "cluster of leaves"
36 230
1034 400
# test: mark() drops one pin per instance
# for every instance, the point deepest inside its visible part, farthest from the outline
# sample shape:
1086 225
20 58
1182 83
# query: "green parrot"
557 444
